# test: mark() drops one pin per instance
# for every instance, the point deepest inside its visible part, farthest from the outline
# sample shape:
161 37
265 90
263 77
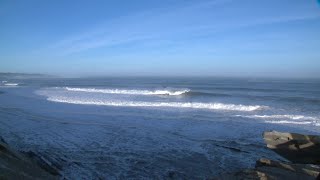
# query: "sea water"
153 127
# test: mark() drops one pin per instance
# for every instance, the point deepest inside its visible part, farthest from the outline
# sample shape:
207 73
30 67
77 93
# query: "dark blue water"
137 128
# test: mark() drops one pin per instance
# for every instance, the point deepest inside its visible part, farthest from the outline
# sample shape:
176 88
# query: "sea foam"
132 92
285 116
289 122
11 84
194 105
286 119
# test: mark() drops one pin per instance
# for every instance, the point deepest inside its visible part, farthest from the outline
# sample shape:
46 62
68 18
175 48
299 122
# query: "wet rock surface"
292 146
297 148
15 165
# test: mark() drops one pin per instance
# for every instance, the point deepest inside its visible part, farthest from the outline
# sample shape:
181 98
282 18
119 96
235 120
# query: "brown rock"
297 148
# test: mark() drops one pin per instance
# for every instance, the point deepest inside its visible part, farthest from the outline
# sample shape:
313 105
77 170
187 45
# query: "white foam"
289 122
11 84
285 116
286 119
132 92
213 106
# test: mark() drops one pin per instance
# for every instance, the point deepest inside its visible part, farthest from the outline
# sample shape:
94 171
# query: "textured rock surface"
297 148
15 165
268 169
300 148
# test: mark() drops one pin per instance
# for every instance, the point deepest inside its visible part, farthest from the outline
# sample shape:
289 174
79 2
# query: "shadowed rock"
301 170
297 148
273 170
14 165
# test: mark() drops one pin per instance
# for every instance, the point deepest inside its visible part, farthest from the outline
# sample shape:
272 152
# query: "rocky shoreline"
303 152
20 165
273 170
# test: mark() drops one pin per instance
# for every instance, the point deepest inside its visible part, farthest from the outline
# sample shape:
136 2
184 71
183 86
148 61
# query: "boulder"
297 148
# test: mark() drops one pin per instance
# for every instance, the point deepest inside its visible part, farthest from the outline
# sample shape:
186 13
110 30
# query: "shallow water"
137 128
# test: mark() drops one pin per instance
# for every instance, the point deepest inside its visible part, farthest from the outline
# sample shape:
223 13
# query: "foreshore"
302 151
20 165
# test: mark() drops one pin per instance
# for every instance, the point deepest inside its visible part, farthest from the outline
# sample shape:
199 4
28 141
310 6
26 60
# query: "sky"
273 38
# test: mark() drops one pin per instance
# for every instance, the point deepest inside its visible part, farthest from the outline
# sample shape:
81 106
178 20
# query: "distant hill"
7 75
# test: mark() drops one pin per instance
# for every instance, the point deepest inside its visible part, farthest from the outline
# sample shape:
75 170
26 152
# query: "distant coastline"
8 75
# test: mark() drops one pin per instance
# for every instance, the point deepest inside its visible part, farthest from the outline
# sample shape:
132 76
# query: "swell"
301 99
199 93
259 97
253 89
169 92
188 92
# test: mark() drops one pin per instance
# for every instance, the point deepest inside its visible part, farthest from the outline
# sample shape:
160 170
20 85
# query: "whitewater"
216 106
133 92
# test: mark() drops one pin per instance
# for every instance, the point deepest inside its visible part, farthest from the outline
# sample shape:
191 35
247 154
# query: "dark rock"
273 170
297 148
50 167
298 169
15 165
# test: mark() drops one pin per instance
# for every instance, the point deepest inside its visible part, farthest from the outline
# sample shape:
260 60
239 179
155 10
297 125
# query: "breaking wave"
11 84
211 106
286 116
289 122
294 122
286 119
132 92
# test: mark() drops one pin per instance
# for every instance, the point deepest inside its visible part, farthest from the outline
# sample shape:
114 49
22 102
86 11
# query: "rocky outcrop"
15 165
297 148
282 170
273 170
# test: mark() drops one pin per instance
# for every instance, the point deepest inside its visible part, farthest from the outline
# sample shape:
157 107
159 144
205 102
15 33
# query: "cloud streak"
171 24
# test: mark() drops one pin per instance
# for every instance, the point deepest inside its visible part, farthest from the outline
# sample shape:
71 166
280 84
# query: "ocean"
153 127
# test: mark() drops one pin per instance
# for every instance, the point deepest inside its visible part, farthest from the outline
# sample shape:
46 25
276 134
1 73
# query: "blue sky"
278 38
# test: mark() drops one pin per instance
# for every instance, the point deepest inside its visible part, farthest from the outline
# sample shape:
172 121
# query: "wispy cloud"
176 23
146 25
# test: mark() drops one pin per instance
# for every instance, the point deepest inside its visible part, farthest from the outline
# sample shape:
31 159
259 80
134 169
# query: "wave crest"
290 122
11 84
285 116
286 119
210 106
131 92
